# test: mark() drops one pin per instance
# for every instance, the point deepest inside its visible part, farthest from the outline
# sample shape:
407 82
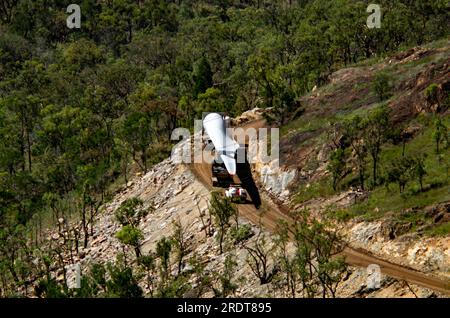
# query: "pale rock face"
430 256
365 233
425 254
276 180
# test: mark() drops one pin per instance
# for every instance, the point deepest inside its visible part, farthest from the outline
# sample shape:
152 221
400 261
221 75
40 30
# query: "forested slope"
82 109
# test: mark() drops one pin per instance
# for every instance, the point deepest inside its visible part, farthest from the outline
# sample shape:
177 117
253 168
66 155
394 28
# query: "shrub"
241 233
130 235
342 215
440 230
381 86
130 212
431 93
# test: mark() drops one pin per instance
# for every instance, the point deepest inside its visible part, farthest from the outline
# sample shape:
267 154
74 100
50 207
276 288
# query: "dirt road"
269 214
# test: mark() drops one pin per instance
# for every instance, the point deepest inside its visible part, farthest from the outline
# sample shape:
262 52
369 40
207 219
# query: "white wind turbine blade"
230 163
225 146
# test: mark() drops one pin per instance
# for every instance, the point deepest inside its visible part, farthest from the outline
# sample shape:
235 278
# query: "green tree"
313 269
180 243
224 279
381 86
90 203
10 144
401 171
210 101
129 215
354 132
130 235
81 54
49 288
419 170
222 210
131 211
432 94
137 132
97 278
288 268
376 131
337 166
440 133
241 233
319 272
148 262
202 76
163 250
122 282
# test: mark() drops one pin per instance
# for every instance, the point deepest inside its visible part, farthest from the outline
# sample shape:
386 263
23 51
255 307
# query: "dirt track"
269 214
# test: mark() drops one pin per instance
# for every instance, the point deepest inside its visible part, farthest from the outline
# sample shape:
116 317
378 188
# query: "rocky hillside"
176 194
408 228
301 179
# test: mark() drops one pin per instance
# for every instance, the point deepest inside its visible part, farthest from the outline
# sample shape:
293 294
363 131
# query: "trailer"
219 175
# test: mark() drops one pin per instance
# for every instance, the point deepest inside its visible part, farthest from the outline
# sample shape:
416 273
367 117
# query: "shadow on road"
244 172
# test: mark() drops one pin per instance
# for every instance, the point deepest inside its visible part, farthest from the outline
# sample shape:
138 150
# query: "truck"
236 193
225 150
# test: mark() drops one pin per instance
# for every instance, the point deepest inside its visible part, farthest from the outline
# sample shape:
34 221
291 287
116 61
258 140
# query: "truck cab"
236 193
